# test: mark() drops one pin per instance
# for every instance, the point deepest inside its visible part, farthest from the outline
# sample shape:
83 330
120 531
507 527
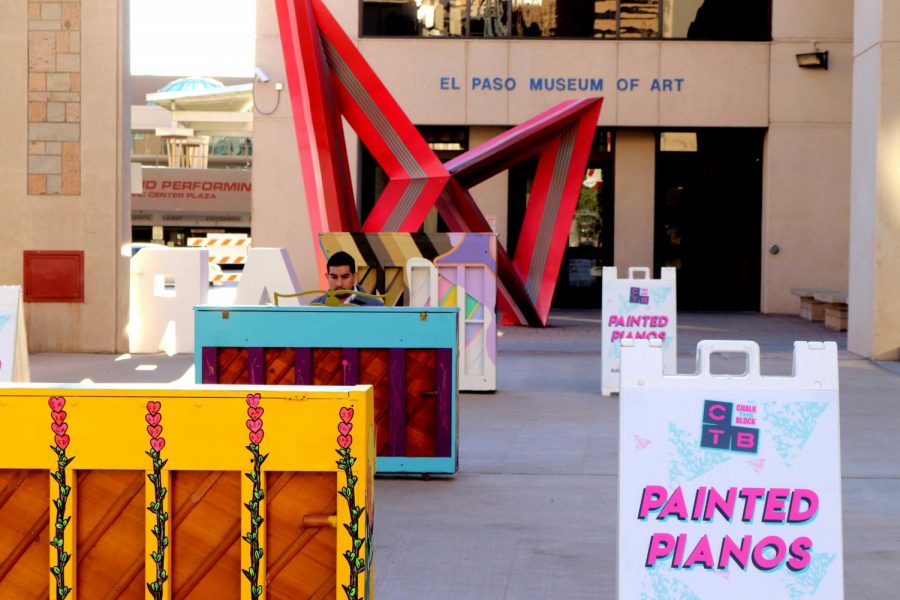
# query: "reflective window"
598 19
428 18
677 16
638 18
606 19
719 20
560 18
587 223
384 17
489 18
440 18
678 141
231 152
230 146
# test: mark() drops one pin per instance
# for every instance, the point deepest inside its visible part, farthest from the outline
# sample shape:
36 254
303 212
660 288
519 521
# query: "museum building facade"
718 149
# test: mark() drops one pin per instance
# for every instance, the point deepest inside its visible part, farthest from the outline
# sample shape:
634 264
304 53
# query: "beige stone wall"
492 195
806 197
722 84
635 191
78 203
874 321
54 97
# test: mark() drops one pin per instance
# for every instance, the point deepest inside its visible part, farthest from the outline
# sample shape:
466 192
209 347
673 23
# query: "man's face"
341 278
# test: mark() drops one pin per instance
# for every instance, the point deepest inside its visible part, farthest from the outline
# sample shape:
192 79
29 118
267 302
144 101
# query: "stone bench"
835 308
810 308
818 304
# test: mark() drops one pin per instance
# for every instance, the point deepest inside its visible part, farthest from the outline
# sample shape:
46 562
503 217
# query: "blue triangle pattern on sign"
805 584
791 424
660 294
687 459
665 585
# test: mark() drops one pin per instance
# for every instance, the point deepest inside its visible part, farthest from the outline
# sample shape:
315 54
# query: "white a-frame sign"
636 308
730 486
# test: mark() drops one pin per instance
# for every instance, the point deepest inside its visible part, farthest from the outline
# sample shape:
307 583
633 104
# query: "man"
342 276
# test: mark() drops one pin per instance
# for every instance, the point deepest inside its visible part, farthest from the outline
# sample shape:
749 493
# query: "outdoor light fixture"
813 60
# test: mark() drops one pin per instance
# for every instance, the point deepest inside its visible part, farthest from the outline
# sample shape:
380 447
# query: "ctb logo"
724 427
639 296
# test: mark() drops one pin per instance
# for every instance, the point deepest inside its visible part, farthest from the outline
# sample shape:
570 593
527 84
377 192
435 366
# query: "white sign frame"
625 315
663 429
13 342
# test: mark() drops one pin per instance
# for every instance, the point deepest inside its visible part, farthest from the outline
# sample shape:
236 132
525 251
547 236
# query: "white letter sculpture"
268 270
162 318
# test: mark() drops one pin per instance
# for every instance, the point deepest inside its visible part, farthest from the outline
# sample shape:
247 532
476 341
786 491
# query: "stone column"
492 196
806 170
54 98
279 213
635 198
64 168
874 318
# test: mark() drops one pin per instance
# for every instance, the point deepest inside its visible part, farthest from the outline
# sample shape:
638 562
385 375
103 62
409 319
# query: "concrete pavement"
532 512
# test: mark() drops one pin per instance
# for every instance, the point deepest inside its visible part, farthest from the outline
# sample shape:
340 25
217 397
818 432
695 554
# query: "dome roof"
192 84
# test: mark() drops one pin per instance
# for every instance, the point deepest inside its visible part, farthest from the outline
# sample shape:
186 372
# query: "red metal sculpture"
329 78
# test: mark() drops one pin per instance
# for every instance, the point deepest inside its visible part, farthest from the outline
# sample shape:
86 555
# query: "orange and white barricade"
224 248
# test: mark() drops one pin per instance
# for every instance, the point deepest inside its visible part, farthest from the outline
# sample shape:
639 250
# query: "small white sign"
730 486
637 308
13 346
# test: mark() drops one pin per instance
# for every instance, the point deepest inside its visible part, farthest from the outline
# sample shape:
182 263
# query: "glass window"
489 18
446 141
556 18
390 18
678 141
678 16
600 19
605 20
428 18
440 18
638 19
717 20
230 146
588 220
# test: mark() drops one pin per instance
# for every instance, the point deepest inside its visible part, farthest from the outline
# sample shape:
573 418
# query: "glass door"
708 218
589 247
590 243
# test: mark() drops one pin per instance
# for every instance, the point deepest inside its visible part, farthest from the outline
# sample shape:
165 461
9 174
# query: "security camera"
261 76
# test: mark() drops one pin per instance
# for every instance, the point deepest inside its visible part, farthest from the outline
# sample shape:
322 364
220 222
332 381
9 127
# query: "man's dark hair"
341 259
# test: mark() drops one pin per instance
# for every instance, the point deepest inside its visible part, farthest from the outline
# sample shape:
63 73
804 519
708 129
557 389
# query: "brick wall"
54 97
